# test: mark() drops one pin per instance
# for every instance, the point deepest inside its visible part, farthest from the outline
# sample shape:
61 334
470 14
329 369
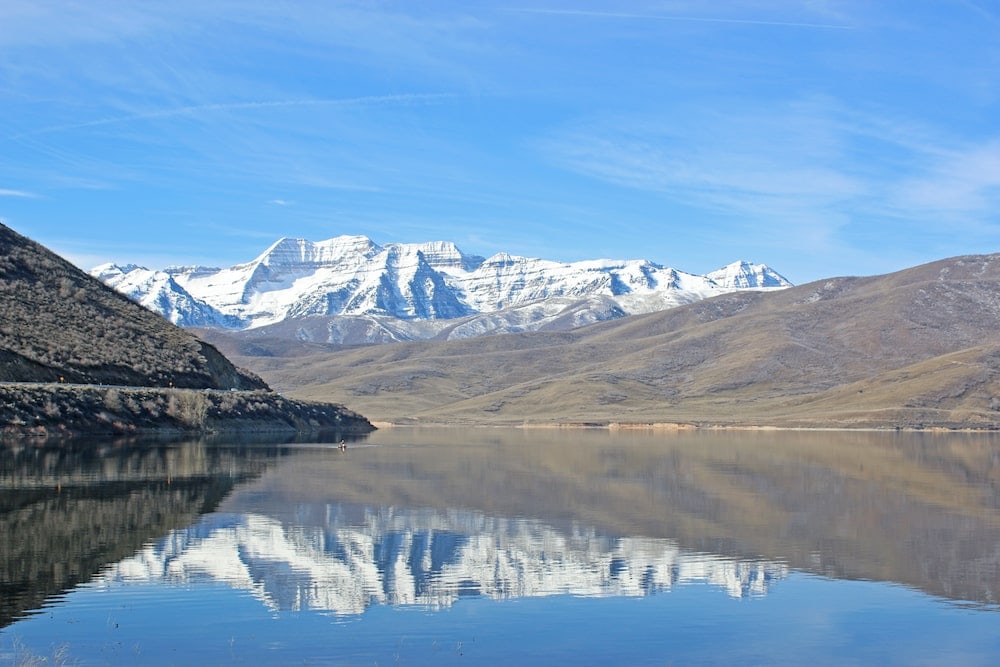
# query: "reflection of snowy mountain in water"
425 557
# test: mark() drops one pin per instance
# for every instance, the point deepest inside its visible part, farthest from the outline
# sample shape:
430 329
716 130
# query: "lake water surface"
485 546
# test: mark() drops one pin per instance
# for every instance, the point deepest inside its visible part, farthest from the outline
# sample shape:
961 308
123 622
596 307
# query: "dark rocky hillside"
80 358
59 324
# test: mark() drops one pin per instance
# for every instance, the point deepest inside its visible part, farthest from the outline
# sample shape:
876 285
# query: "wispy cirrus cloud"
678 18
23 194
369 101
759 163
161 48
812 124
813 173
984 13
962 183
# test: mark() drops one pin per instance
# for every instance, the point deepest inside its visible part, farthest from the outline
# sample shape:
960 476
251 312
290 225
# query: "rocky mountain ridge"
348 289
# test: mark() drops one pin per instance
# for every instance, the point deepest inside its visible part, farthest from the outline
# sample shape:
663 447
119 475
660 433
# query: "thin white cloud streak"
964 184
805 173
22 194
43 23
686 19
981 11
86 254
374 100
785 152
372 35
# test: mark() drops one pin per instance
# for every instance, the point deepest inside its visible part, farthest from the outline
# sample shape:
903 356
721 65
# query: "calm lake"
488 546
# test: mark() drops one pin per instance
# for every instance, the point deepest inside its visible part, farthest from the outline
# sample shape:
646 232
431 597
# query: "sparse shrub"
112 400
65 287
228 402
188 407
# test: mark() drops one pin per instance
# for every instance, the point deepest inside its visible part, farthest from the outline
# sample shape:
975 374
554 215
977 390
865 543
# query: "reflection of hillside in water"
68 510
422 516
363 556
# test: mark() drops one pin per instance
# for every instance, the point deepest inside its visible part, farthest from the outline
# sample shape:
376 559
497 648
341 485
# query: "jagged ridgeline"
59 324
351 290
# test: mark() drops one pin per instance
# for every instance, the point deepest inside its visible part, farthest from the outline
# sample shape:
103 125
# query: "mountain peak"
288 252
112 269
742 274
445 254
404 291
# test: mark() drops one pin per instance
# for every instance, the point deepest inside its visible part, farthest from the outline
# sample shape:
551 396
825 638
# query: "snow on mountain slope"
746 275
158 291
402 291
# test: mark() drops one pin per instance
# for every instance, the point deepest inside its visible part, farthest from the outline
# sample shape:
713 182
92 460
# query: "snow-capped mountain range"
425 557
349 289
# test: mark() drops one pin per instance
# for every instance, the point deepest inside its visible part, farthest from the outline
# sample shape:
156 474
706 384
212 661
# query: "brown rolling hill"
914 349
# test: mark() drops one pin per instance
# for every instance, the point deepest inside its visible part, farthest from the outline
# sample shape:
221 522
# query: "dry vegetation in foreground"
55 410
915 349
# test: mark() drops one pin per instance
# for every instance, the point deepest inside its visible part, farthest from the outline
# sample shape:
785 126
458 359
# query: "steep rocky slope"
57 322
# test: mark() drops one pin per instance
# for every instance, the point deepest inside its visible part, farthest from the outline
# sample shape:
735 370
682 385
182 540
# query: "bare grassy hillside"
58 323
917 348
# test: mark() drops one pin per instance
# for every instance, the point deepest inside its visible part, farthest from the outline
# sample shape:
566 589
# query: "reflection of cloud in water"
424 557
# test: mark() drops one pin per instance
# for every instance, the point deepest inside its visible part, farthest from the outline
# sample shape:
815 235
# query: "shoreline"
677 427
65 411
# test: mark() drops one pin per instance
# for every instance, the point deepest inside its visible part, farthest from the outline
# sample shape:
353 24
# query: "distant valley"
600 343
918 349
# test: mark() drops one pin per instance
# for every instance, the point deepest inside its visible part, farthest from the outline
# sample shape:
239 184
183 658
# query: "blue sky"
821 137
